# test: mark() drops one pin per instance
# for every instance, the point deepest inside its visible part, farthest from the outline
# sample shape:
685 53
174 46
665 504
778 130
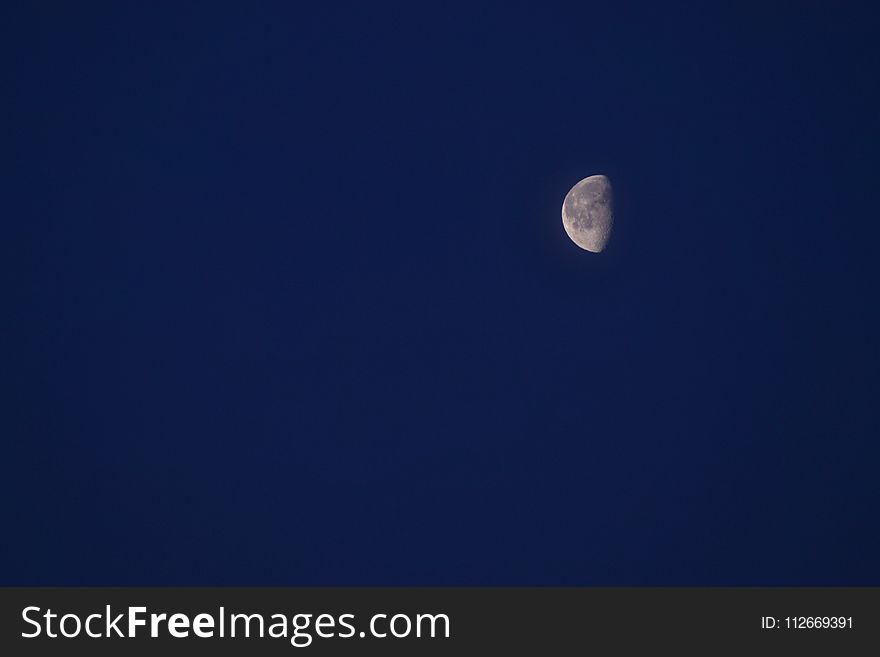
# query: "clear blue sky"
288 299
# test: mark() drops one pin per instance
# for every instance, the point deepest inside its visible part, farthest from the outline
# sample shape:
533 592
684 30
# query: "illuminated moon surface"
588 213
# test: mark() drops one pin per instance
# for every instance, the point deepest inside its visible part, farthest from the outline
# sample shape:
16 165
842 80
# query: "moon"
588 213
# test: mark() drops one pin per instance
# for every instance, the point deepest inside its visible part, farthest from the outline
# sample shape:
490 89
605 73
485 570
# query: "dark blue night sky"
288 299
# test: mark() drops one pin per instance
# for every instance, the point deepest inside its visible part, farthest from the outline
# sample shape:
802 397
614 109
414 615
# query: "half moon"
588 213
